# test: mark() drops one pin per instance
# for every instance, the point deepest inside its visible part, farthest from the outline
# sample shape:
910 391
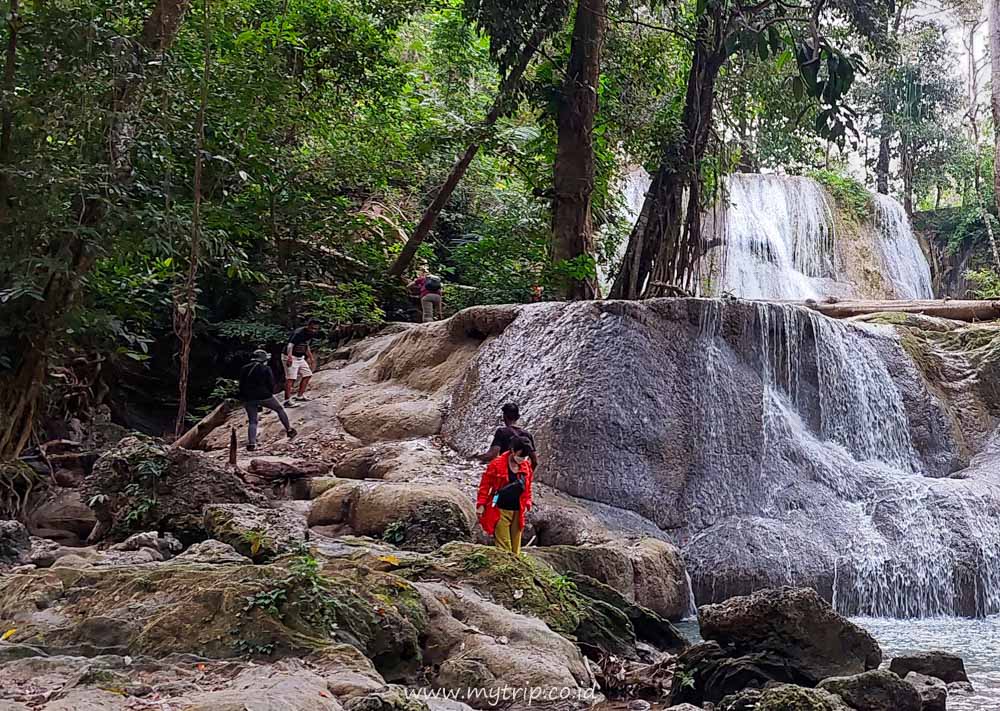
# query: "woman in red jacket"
505 495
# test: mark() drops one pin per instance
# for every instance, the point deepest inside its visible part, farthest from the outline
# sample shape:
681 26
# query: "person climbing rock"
256 391
299 361
505 495
431 302
510 413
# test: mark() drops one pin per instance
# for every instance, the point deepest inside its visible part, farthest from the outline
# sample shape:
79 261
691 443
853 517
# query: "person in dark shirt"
299 361
505 435
257 391
504 495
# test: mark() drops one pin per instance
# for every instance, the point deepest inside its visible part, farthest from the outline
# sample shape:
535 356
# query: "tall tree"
185 302
69 254
573 171
515 36
995 106
665 244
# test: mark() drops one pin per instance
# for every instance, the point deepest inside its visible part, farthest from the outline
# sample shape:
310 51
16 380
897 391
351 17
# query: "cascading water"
903 262
832 416
775 238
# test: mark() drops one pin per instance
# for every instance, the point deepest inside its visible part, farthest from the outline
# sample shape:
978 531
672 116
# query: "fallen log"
957 310
273 470
197 434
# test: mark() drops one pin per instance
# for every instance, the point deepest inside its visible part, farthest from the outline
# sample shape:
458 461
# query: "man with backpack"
503 437
257 391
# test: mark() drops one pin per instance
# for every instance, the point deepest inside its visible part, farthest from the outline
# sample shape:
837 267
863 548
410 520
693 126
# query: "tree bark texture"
665 243
574 171
957 310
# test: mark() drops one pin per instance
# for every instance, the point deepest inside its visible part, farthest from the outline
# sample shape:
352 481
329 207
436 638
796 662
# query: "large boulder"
784 697
797 626
876 690
945 666
15 543
142 485
647 571
257 532
484 650
595 616
412 516
61 515
266 689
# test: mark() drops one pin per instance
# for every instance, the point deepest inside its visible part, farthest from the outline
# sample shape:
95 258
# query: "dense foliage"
331 124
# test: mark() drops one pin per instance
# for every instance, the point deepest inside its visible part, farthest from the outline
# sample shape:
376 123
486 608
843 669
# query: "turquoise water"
977 641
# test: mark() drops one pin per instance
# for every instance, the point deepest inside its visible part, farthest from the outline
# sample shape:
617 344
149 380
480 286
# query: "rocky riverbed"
344 569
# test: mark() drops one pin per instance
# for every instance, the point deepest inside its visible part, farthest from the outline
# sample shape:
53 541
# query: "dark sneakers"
251 447
290 433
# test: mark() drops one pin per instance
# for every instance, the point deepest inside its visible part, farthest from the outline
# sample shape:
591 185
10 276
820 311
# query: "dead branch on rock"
208 424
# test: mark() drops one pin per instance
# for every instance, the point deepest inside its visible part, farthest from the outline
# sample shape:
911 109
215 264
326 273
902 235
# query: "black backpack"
432 284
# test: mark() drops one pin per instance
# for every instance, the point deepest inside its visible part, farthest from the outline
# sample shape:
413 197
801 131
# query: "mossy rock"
796 698
143 485
427 528
531 587
291 608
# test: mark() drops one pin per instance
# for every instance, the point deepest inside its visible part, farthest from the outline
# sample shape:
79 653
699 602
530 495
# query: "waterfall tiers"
784 237
774 445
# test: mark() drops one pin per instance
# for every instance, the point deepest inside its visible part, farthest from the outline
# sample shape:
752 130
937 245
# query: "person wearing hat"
257 390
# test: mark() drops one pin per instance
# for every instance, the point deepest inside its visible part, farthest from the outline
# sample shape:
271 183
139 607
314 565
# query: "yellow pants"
507 534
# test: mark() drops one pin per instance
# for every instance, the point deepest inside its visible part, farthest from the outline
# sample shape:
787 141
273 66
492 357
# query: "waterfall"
903 262
833 420
775 238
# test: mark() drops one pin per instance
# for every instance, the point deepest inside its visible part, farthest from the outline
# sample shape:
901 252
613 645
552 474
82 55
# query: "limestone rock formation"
257 532
413 516
798 627
647 571
212 552
877 690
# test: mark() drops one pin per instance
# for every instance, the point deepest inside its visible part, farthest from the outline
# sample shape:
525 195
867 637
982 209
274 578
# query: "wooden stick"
216 418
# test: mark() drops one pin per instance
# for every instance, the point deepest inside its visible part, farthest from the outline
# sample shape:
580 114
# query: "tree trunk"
882 163
185 313
958 310
193 438
573 171
427 220
7 120
995 105
665 243
158 33
906 161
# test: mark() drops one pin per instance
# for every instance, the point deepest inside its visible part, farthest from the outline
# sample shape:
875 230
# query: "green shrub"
850 195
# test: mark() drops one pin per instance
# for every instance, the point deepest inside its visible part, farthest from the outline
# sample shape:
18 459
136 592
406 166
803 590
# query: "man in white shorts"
299 361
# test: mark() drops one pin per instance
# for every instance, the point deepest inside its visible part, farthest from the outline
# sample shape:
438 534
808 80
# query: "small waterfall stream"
903 262
776 237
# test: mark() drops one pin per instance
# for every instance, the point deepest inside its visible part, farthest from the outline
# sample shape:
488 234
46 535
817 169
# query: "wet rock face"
735 425
797 626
